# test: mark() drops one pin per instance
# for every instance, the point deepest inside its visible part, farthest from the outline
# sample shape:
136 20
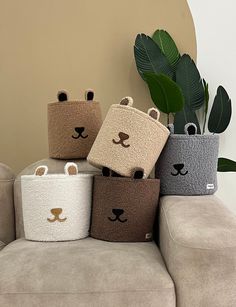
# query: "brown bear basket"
73 126
124 209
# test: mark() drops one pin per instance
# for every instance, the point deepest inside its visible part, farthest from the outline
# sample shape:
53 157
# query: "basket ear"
106 172
138 173
41 170
62 96
71 168
171 128
154 113
89 95
127 101
190 129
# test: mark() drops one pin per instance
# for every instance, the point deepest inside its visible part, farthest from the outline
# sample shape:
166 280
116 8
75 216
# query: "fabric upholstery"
87 272
72 128
7 223
128 139
55 166
188 165
198 243
124 209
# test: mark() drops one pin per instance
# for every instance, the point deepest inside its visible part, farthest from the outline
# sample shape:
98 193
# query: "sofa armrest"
198 244
7 224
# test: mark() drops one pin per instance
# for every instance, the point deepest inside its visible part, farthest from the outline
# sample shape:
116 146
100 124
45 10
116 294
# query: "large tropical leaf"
165 93
226 165
189 79
149 58
184 117
221 111
167 46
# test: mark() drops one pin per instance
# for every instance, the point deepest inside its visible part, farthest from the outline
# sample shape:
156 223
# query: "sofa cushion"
87 272
7 224
198 243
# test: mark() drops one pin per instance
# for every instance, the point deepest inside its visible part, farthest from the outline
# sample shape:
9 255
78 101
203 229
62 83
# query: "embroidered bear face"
188 163
56 207
73 126
129 139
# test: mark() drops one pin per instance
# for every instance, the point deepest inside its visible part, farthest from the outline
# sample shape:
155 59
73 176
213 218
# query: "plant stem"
204 125
168 119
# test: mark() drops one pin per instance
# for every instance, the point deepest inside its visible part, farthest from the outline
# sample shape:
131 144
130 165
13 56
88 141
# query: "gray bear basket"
188 164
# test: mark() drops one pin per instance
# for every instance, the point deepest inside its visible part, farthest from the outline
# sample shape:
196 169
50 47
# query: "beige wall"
48 45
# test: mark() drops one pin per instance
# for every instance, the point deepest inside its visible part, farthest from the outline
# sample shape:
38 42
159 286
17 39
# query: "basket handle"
154 113
190 129
71 168
89 95
41 170
127 101
62 96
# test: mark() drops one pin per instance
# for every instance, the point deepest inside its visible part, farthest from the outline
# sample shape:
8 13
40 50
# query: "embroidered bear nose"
123 136
118 212
179 166
56 211
79 130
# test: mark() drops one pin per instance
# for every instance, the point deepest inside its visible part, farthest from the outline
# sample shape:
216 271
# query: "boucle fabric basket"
188 164
56 207
129 139
124 209
72 126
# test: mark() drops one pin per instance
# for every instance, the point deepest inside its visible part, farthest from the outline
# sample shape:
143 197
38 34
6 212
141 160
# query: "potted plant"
178 90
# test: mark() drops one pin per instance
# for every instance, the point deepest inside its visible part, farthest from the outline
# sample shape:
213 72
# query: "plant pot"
124 209
72 127
56 207
129 139
188 165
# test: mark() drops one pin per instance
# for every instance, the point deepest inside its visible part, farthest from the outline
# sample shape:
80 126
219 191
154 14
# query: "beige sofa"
197 244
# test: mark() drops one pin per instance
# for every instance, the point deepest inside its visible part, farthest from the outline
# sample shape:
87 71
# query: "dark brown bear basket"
124 209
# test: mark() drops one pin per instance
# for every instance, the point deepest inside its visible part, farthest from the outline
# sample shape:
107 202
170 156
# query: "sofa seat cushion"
198 243
87 272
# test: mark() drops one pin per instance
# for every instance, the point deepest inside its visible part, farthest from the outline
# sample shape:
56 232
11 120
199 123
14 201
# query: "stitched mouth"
56 218
179 173
117 218
121 142
80 135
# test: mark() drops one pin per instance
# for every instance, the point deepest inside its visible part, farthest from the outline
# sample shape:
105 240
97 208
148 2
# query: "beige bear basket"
129 139
73 126
56 207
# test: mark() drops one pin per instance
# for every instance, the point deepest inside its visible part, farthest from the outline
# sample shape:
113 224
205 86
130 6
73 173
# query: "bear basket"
129 139
188 164
56 207
73 126
124 208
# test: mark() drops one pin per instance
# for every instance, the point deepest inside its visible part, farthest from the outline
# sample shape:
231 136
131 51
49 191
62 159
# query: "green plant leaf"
221 111
149 58
189 80
206 95
167 46
165 93
226 165
184 117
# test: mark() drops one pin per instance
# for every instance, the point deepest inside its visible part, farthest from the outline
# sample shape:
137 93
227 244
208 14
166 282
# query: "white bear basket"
56 207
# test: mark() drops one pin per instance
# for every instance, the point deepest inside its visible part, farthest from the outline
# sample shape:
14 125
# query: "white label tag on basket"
210 186
148 235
